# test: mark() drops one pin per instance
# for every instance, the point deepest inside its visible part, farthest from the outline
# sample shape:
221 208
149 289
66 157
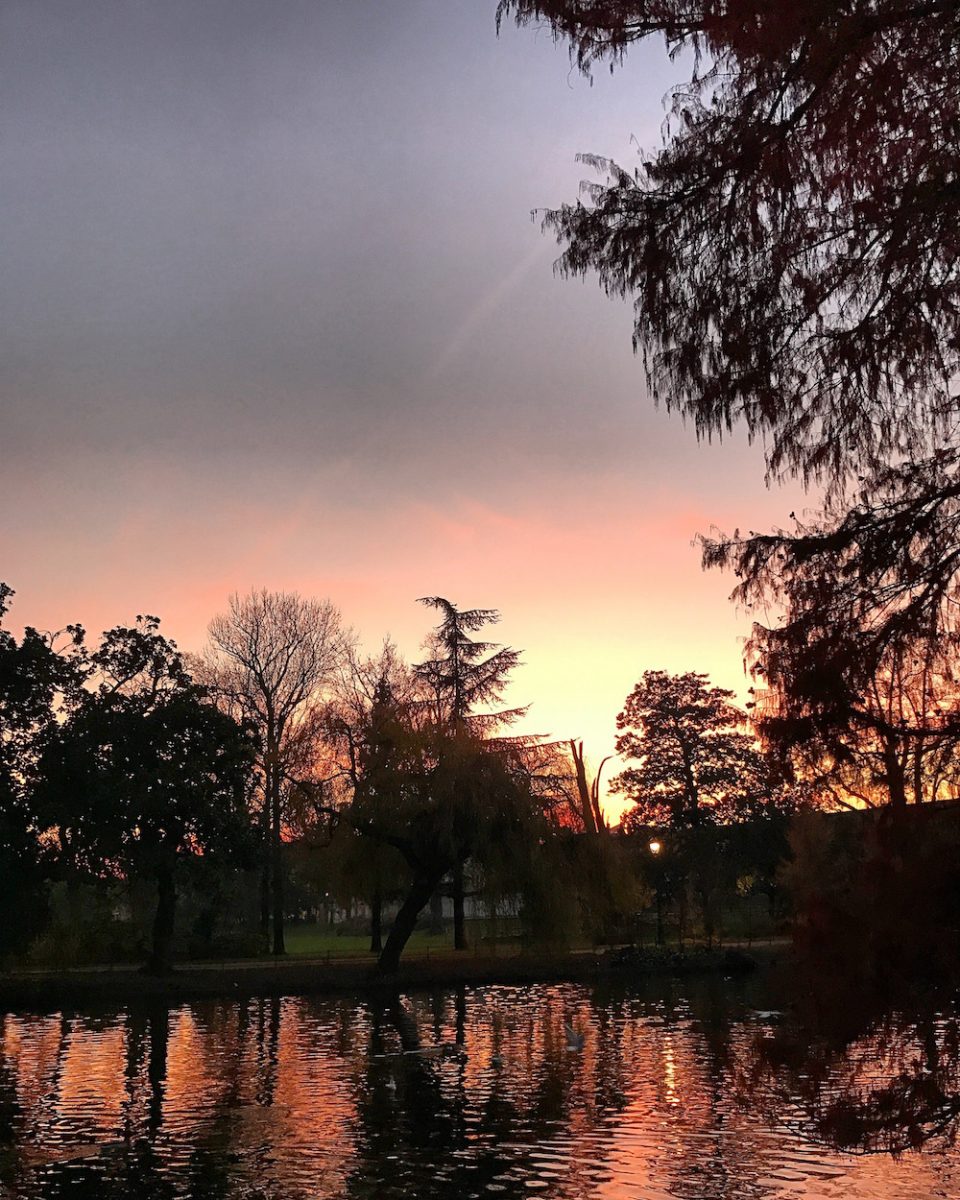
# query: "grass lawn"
319 941
742 921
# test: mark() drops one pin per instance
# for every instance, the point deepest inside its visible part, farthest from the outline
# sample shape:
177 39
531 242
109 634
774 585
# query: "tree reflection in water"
472 1093
866 1077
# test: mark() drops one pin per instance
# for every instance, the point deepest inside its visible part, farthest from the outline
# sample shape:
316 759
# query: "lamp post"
655 847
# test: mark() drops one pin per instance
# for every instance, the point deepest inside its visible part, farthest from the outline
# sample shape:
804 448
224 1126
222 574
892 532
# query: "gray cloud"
237 227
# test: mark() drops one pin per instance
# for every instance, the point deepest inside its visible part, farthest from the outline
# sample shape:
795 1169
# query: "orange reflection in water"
446 1095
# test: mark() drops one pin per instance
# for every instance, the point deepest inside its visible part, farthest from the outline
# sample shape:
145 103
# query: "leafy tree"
144 772
38 678
272 659
438 799
792 253
695 762
698 773
427 784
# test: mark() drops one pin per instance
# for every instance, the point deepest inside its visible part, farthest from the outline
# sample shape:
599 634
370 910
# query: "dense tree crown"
695 762
145 770
36 677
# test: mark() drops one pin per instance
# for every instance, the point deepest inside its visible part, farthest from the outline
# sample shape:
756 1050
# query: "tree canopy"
695 761
792 252
791 247
37 677
145 770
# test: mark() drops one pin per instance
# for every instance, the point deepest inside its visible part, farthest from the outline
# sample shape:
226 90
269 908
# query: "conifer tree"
463 675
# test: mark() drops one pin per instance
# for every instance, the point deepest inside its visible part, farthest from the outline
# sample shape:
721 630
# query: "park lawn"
320 941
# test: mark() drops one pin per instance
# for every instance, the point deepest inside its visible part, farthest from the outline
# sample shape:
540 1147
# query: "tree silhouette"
368 726
144 772
38 680
893 742
272 658
791 247
426 778
863 595
795 266
462 675
695 762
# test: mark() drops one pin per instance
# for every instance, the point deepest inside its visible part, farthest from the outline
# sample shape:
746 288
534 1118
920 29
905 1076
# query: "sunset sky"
276 314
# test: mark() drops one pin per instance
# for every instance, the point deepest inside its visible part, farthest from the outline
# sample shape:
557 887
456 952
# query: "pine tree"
462 675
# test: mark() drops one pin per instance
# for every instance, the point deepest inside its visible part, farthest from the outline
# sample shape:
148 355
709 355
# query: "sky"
276 314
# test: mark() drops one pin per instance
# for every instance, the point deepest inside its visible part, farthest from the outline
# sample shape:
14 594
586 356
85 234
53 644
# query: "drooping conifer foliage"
464 674
793 256
791 247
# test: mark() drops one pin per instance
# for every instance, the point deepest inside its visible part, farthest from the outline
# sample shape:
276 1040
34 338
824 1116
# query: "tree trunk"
459 917
161 957
436 912
376 922
276 848
583 791
406 920
265 872
896 781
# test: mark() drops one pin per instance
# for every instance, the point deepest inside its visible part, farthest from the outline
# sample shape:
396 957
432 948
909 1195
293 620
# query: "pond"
678 1089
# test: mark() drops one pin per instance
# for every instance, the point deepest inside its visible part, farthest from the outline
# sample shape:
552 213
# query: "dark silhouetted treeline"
156 805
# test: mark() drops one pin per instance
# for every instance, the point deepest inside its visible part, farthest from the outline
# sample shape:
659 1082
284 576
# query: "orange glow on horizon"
592 592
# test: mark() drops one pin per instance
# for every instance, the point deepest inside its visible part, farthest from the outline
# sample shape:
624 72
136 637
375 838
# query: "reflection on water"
892 1086
689 1093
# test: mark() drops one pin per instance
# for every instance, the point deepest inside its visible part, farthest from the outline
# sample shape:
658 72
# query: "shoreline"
77 987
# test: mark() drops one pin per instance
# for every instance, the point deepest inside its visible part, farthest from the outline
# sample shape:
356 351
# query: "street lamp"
655 847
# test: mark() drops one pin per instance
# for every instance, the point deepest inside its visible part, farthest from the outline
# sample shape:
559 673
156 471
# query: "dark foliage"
37 677
793 256
144 772
695 760
792 246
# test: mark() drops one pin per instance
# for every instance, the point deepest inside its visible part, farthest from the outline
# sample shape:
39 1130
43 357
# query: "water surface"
684 1090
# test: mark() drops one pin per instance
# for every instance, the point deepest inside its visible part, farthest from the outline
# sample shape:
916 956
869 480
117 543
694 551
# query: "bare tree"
272 658
588 794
